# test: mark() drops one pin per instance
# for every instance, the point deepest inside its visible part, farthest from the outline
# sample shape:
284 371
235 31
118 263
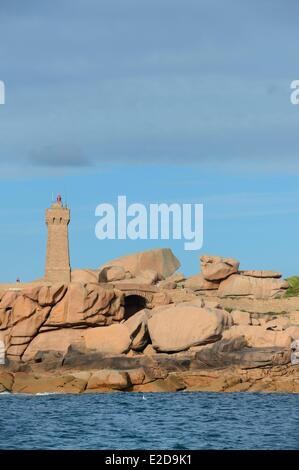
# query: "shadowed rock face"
228 365
235 351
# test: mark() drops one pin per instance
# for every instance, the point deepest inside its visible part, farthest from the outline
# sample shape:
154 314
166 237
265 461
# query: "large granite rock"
56 340
51 295
198 282
176 296
160 260
241 318
138 330
147 277
26 383
261 273
113 273
176 328
114 339
6 381
107 378
235 352
259 288
22 308
259 337
170 384
87 305
85 276
8 300
293 331
216 268
278 324
29 326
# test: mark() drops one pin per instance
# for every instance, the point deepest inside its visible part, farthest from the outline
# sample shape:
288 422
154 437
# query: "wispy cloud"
60 156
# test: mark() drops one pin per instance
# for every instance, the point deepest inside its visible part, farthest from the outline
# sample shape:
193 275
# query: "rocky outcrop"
147 277
160 260
277 324
258 337
113 273
223 366
235 351
293 332
289 306
57 340
85 276
260 288
174 296
241 318
111 379
84 337
261 273
114 339
216 268
280 378
87 306
26 316
199 283
221 277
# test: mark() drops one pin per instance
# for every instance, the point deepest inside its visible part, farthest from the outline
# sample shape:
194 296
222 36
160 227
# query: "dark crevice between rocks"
133 304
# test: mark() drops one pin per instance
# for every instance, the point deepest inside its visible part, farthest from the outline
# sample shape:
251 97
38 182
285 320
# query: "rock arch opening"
133 304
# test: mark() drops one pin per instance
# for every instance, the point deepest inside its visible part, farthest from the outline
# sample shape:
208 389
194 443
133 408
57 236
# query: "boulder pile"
91 318
88 323
223 278
146 267
218 277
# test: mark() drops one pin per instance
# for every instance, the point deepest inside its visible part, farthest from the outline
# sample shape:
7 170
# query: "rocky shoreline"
138 325
262 371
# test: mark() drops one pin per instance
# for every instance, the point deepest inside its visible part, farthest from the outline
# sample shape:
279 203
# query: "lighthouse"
58 269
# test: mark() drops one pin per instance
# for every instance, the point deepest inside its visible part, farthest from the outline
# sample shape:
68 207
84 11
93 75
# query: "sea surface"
180 420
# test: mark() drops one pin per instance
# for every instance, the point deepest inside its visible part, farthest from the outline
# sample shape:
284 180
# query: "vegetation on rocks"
293 290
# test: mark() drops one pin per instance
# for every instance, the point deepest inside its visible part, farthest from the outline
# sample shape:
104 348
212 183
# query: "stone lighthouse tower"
58 259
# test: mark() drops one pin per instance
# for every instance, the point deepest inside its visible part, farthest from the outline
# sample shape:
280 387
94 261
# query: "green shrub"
293 290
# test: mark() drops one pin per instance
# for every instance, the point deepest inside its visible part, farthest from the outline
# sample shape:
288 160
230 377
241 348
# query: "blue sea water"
160 421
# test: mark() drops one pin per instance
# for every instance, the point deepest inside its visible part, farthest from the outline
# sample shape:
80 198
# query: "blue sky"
161 101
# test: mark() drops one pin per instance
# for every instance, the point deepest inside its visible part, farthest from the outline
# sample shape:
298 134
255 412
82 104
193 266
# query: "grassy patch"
293 290
228 309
